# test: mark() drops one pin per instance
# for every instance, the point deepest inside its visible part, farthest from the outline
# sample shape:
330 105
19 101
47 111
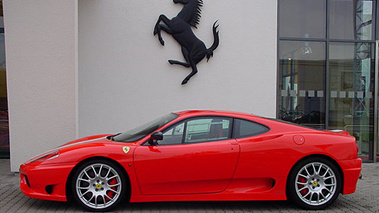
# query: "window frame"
186 120
231 133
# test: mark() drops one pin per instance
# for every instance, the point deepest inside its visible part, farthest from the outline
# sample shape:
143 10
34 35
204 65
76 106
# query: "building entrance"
327 67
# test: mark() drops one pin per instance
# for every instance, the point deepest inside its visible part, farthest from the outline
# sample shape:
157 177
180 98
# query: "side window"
244 128
207 129
173 135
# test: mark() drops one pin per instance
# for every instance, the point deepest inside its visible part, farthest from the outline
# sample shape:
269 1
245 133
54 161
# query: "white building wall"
125 79
41 55
114 75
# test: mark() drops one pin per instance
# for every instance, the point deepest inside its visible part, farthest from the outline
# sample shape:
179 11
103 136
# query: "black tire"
314 183
98 185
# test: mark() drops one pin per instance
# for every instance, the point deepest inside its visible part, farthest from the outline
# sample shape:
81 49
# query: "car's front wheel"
98 185
314 183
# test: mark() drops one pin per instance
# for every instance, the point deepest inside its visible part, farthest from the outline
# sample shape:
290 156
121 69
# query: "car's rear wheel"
98 185
314 183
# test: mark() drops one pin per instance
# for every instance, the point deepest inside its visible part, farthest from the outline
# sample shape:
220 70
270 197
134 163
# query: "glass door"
351 82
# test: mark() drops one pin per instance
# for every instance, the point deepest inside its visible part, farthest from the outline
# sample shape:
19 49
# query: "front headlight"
46 156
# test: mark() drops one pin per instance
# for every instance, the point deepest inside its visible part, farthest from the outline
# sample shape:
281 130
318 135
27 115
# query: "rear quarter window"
245 128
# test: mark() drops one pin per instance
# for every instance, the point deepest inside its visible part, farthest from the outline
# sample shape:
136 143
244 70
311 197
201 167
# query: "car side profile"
198 155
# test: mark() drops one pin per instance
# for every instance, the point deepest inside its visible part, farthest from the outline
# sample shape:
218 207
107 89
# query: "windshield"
144 130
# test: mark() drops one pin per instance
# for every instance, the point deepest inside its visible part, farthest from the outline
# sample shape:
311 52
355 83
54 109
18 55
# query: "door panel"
186 168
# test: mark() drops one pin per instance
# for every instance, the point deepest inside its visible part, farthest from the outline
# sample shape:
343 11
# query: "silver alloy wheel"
98 186
315 183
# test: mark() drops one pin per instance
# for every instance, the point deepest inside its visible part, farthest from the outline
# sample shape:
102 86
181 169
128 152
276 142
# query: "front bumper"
351 172
45 181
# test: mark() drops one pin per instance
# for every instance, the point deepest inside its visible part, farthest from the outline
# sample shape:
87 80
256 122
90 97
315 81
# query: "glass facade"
306 18
302 83
351 89
4 132
326 72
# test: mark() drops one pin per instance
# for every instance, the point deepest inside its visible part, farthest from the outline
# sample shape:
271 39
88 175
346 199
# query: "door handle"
233 142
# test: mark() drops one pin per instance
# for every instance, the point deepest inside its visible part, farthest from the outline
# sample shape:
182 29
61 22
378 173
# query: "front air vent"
49 189
27 180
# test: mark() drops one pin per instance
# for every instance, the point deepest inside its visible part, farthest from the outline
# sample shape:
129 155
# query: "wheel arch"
316 156
71 175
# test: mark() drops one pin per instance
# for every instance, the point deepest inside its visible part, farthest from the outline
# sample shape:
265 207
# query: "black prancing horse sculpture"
179 27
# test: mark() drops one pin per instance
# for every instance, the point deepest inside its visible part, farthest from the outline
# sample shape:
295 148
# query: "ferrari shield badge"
126 149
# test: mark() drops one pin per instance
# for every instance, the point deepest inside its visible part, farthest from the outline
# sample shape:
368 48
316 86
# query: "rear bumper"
47 182
351 171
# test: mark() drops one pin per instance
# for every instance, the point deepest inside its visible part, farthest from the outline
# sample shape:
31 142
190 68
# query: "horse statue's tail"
215 41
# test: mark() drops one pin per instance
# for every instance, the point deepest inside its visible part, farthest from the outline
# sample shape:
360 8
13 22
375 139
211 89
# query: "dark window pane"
351 19
302 18
244 128
302 80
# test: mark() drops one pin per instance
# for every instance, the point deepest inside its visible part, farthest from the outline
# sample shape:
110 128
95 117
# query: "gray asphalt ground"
365 199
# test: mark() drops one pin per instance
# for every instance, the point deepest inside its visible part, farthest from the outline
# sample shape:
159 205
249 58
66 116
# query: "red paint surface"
252 168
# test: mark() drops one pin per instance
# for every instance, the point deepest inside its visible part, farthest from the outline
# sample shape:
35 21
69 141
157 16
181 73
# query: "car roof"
188 113
270 122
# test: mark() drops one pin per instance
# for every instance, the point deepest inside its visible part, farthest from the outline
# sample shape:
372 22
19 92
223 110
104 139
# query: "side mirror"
156 136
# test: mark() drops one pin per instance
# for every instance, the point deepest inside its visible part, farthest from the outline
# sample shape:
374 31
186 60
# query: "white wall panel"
125 79
41 55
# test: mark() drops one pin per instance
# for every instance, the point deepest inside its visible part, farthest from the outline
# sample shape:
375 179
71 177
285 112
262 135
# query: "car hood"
96 140
87 139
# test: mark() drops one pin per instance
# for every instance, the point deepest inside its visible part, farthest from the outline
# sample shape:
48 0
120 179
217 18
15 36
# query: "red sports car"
198 156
